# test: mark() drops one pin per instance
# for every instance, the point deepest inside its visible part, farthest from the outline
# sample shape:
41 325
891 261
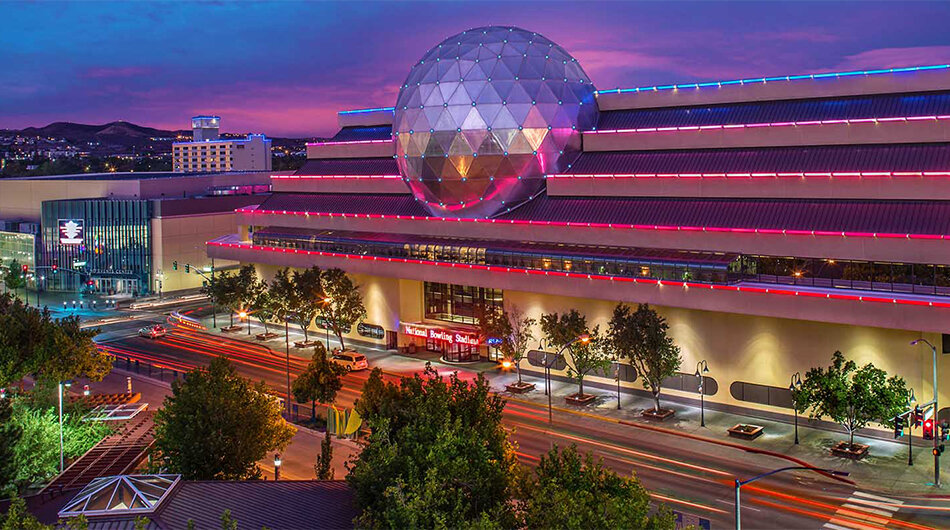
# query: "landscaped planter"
853 452
746 431
266 336
580 399
231 329
519 388
305 344
658 415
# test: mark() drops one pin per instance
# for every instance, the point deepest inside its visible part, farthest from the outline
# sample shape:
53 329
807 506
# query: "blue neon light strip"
770 79
361 111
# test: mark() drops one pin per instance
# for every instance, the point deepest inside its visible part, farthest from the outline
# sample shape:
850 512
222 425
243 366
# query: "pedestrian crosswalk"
864 507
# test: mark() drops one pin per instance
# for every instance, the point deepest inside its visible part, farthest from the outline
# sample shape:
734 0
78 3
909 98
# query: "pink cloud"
896 57
106 72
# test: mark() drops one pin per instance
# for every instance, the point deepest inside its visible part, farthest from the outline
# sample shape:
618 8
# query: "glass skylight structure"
122 494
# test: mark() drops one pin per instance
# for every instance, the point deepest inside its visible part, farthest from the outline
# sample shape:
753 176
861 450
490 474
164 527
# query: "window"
761 394
459 303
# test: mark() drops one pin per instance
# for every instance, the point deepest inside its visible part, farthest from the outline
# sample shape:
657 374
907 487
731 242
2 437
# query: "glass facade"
19 247
676 265
100 245
461 304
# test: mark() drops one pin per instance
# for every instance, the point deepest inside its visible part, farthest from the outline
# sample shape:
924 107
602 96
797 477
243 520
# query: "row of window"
461 304
697 266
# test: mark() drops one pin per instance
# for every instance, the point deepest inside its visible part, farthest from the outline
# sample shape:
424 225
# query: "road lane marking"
864 506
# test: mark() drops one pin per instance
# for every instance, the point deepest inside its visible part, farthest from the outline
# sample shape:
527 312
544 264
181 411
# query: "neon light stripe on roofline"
351 142
313 177
811 174
769 231
645 281
656 88
853 121
361 111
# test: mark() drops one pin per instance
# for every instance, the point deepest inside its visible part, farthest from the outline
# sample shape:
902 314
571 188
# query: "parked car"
350 359
153 332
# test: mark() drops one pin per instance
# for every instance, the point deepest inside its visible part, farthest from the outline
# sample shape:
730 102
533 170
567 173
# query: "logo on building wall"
443 335
70 231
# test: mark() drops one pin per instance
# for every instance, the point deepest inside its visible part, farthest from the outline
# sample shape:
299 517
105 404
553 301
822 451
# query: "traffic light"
898 427
25 268
928 432
938 450
918 416
175 265
187 268
55 268
944 431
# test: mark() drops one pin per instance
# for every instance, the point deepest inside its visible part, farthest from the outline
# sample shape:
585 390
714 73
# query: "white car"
153 332
350 359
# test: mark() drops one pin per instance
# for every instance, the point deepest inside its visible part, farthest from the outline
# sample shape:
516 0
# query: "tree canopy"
513 329
218 425
437 456
586 355
641 338
852 396
320 381
13 278
343 303
308 297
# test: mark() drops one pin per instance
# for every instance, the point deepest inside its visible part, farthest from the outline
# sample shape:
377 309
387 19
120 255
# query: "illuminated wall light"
779 78
855 121
601 277
813 174
575 224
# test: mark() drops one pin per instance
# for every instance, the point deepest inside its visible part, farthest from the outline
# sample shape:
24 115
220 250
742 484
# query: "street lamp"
585 338
326 322
936 451
242 316
276 466
740 483
911 398
702 367
794 387
62 384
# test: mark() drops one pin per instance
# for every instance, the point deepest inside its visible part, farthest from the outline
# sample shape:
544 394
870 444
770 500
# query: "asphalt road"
691 477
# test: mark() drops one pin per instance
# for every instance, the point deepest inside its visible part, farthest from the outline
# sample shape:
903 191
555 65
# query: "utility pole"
936 450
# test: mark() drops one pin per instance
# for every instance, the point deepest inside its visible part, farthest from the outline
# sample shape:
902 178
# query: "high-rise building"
208 152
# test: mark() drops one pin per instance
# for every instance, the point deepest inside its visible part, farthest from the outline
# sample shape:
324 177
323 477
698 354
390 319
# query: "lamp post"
740 483
61 385
793 387
287 352
702 367
547 368
277 466
936 451
242 315
326 322
910 429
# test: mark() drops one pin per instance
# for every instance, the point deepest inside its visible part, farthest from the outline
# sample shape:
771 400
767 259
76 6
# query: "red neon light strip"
772 124
773 231
309 177
352 142
645 281
818 174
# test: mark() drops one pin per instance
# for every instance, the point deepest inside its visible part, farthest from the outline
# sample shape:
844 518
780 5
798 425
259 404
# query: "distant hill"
80 132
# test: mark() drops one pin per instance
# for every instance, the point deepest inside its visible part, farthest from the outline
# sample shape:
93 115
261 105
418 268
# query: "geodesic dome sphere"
484 115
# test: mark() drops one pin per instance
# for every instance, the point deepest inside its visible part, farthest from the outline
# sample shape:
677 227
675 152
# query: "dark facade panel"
359 134
353 203
837 158
876 106
349 166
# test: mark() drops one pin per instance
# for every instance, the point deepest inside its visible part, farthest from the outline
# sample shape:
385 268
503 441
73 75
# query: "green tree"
10 434
13 278
574 492
641 338
323 469
320 381
585 345
18 518
283 296
852 396
263 306
343 304
308 297
513 329
437 455
218 425
224 292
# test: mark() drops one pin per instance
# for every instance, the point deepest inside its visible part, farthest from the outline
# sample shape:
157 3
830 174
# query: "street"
691 476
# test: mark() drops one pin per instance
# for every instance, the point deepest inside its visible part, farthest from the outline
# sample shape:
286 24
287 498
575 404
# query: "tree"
308 297
263 304
343 304
13 277
224 292
569 491
218 425
283 296
323 469
10 435
513 329
320 380
641 337
852 396
437 455
586 346
19 518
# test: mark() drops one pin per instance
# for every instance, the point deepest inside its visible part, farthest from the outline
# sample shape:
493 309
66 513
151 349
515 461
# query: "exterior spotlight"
327 300
506 364
276 466
242 314
585 338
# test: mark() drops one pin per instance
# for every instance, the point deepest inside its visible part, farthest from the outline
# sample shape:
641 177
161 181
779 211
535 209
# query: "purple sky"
285 68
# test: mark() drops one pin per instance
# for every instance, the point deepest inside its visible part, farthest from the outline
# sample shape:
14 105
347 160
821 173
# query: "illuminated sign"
370 330
493 341
443 335
70 231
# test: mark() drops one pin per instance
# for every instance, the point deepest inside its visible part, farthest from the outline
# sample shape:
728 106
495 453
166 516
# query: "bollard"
128 384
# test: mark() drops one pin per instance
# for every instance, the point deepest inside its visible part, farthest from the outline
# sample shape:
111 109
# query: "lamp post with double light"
794 387
936 450
62 385
702 367
911 399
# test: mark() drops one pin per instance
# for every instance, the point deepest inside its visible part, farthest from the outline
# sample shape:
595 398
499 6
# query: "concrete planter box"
852 452
746 431
580 399
266 336
305 344
519 388
658 415
231 329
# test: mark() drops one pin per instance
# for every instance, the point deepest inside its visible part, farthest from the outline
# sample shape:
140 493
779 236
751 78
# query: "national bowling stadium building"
772 220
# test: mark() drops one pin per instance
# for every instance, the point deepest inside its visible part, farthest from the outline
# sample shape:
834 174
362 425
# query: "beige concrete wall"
351 150
183 239
339 185
364 119
21 199
827 134
776 90
812 187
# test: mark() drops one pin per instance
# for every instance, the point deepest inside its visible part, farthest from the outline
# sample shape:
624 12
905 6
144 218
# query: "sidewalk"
885 468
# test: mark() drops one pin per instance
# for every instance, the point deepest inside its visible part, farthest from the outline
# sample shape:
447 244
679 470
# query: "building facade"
208 152
772 221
